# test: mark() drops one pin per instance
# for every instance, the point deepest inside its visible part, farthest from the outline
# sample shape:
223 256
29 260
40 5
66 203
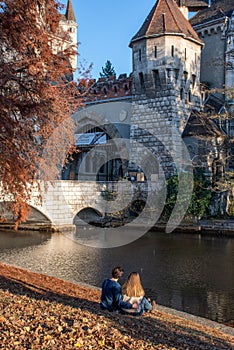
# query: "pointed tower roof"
166 18
193 5
70 16
199 124
218 9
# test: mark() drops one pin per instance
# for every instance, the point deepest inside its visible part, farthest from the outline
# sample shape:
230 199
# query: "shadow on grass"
148 327
19 287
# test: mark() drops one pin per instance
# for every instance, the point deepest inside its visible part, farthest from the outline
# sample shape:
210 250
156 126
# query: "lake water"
184 271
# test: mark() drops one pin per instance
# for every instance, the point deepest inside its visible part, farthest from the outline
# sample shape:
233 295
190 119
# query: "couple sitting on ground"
128 299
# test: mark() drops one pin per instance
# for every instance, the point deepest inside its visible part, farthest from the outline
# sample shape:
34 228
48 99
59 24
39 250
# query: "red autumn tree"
37 97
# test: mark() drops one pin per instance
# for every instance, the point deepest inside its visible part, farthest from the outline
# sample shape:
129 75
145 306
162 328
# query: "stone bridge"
68 203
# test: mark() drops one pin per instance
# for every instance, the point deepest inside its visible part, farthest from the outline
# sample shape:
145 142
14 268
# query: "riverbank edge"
221 228
207 228
226 330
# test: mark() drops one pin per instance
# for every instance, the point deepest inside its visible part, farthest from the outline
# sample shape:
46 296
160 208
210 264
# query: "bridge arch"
87 215
136 207
36 215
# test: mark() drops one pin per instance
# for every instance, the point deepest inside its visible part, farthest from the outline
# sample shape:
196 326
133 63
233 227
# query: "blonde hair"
133 287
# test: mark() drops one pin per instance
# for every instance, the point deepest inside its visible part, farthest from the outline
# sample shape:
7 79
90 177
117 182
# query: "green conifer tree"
108 70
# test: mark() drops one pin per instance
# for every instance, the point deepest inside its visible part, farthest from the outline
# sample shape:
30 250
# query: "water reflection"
185 272
22 239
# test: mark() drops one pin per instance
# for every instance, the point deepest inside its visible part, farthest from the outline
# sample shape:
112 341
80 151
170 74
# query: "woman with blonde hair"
133 292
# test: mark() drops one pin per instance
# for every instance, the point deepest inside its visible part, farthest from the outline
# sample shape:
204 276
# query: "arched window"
185 76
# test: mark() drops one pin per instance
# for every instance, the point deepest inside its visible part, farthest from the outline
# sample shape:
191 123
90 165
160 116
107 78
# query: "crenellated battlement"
108 88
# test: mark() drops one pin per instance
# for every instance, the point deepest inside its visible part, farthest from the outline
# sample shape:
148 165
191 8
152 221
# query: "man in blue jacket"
111 298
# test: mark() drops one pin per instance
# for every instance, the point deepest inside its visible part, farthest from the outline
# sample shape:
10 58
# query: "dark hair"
117 272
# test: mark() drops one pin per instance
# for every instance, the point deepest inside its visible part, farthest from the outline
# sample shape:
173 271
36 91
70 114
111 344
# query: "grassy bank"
41 312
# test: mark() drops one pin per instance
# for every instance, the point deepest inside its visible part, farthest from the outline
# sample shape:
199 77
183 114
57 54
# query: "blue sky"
105 29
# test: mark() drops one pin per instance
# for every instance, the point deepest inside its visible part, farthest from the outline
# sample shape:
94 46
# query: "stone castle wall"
166 88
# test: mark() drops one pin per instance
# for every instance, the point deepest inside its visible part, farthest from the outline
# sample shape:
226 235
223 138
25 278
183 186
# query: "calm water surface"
186 272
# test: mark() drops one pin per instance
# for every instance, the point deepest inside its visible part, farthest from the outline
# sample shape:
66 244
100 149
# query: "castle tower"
214 26
166 74
69 25
230 60
187 6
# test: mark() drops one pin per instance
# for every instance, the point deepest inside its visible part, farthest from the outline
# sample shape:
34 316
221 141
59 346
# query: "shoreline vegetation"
43 312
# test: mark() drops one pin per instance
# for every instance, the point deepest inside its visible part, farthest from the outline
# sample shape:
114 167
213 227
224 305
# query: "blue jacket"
111 298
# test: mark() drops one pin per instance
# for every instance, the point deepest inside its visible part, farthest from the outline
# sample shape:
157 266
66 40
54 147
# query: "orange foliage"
37 98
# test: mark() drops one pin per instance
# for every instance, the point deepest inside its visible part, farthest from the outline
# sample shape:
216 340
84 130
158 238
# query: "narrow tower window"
142 83
181 93
190 96
185 54
193 80
155 52
172 50
185 76
140 55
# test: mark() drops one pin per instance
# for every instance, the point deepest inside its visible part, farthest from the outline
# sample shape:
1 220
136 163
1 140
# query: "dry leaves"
41 312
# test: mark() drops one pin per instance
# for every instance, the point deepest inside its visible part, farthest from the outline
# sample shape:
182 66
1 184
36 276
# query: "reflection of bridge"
64 203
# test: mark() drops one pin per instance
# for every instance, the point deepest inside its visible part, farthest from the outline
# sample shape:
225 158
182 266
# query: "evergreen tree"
108 70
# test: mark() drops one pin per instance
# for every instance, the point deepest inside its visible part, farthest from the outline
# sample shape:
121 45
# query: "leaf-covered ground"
42 312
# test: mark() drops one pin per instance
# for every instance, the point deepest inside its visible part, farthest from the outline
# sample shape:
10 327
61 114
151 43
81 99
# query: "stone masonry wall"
166 88
63 200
